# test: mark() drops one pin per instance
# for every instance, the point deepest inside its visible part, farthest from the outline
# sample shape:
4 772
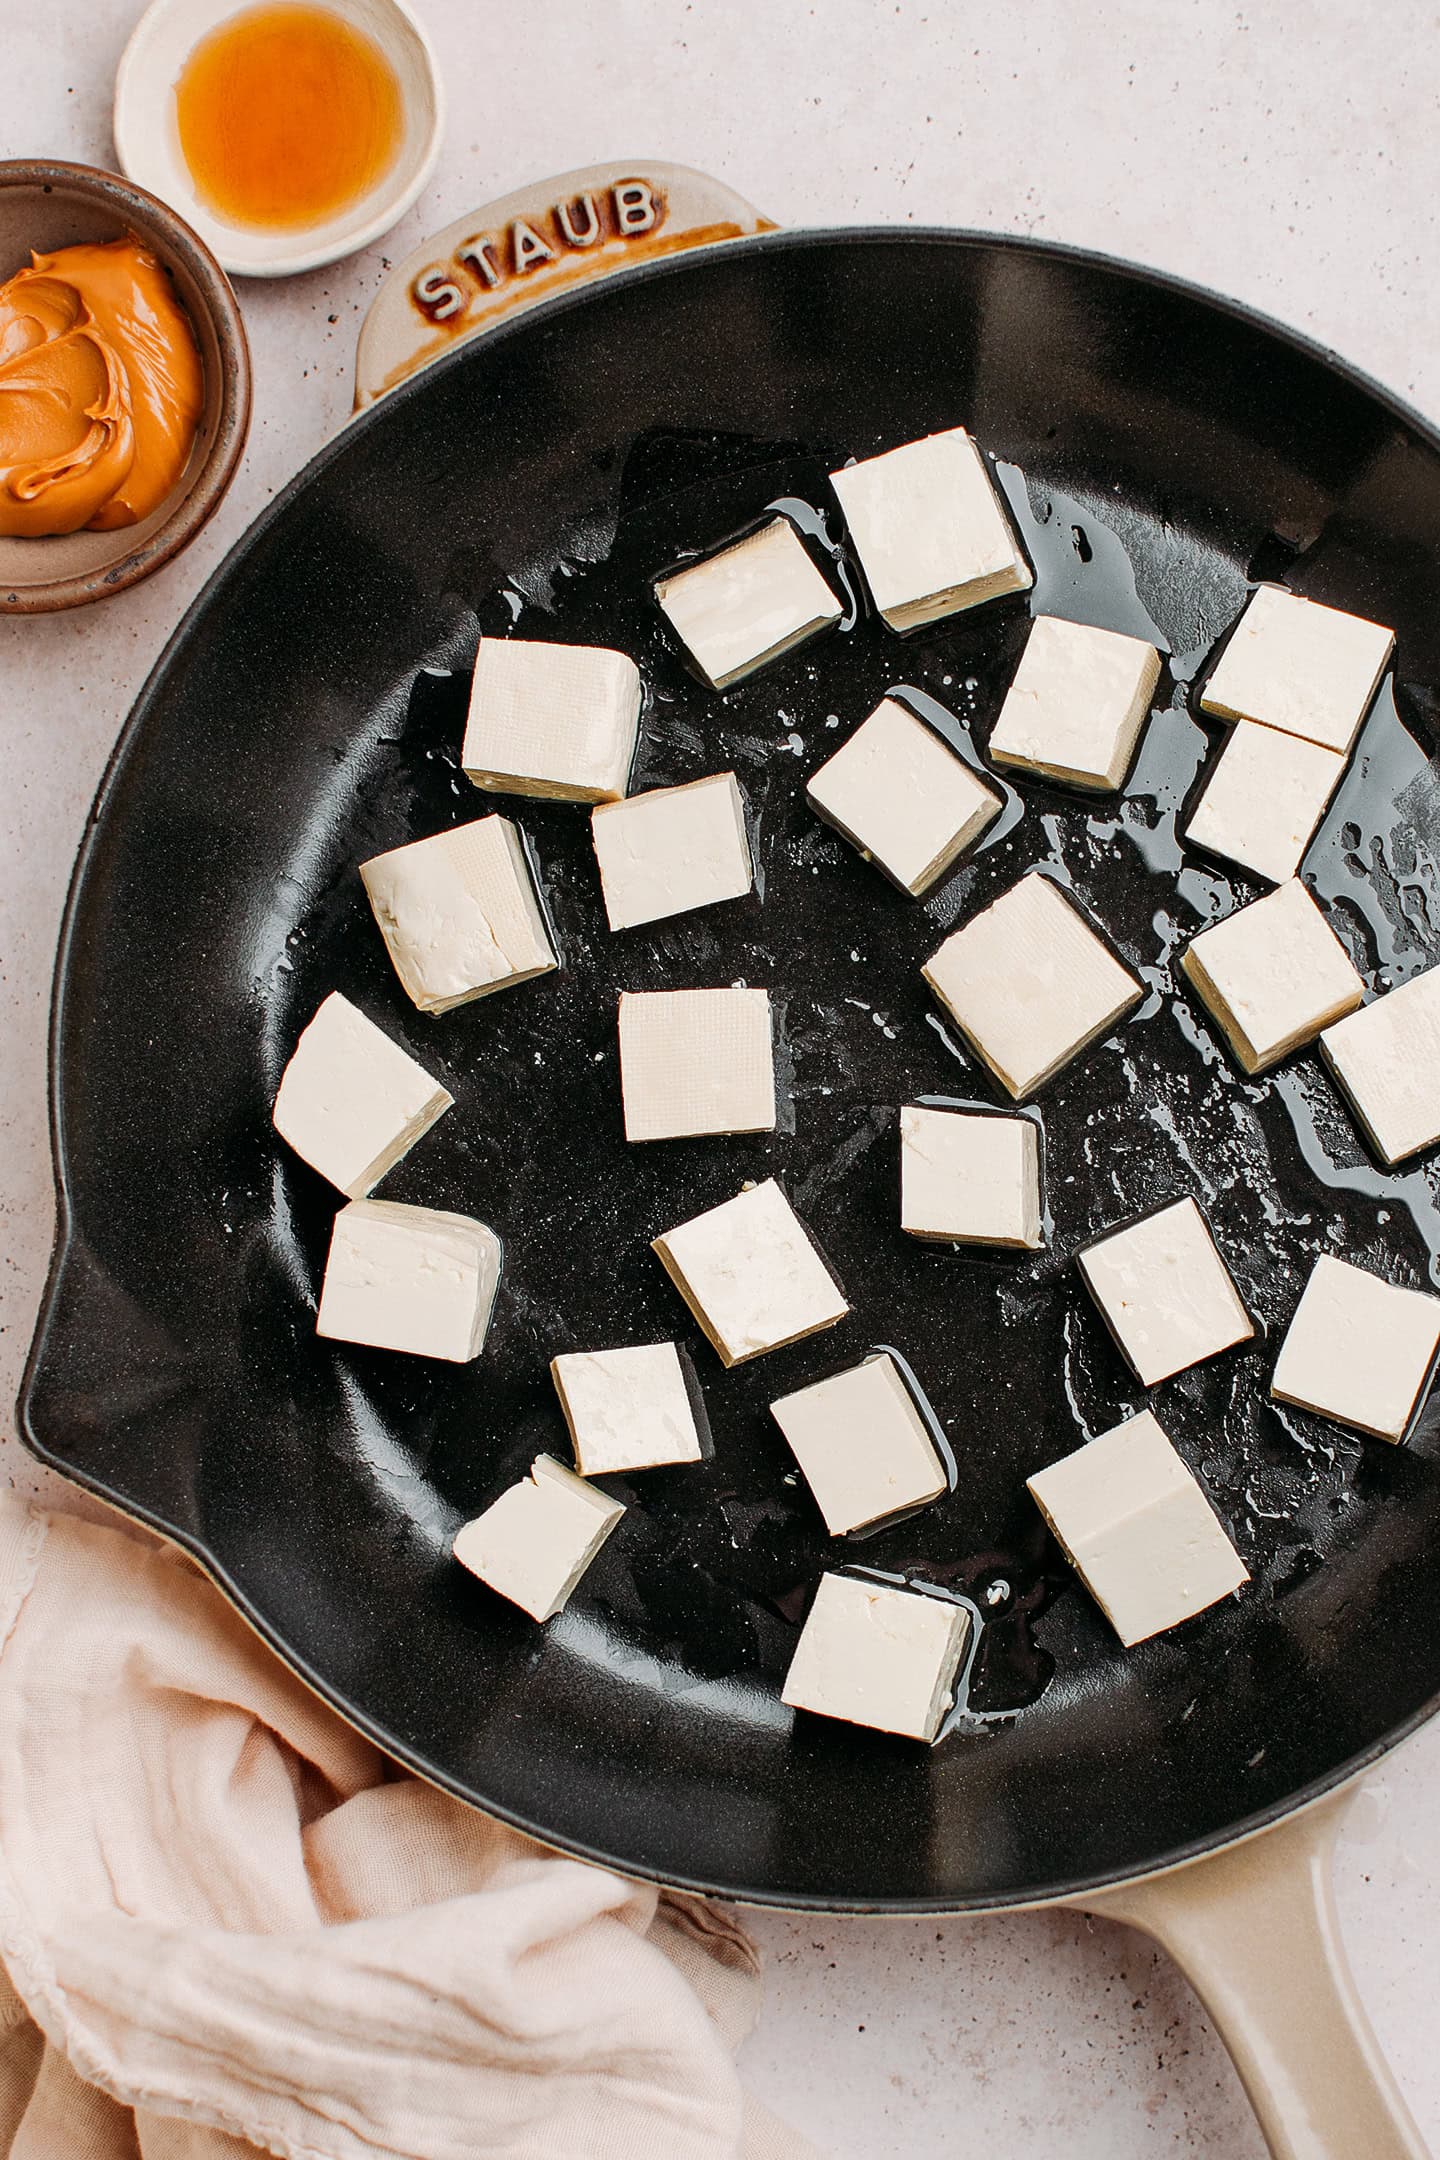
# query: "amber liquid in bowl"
287 115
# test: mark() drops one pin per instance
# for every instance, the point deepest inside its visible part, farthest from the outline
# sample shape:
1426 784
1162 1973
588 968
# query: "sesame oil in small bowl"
287 116
288 132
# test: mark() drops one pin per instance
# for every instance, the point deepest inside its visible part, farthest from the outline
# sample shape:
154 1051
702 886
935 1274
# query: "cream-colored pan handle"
1254 1930
525 247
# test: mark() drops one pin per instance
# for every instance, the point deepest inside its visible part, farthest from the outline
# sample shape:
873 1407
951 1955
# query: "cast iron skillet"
1174 447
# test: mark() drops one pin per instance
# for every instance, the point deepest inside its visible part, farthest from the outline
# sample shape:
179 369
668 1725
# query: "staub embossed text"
626 210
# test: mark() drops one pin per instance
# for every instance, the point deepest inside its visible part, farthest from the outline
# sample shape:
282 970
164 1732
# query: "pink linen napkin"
229 1922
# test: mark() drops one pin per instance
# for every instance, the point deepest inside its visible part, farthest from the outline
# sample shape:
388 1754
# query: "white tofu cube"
865 1450
877 1656
534 1543
1076 705
1165 1293
696 1061
930 531
409 1278
1273 974
969 1178
1387 1060
750 1274
1030 984
672 850
1306 669
552 720
1263 797
627 1409
351 1102
736 611
1358 1350
903 797
459 914
1137 1528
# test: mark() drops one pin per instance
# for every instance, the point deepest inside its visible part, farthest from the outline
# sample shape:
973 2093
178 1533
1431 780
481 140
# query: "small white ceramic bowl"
147 136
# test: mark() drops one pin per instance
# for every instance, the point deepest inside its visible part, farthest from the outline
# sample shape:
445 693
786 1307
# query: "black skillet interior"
1159 449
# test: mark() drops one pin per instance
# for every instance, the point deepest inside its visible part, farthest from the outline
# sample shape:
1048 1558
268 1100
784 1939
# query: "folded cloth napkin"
230 1923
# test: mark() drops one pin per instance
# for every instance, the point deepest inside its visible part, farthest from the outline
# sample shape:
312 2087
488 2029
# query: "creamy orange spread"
100 390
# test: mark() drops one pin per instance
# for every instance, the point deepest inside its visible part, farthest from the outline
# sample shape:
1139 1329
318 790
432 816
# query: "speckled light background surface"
1288 156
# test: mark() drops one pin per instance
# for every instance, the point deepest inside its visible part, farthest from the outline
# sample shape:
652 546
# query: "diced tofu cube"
878 1656
696 1061
1359 1350
1077 704
1306 669
409 1278
1165 1293
351 1102
1263 797
627 1409
866 1451
534 1543
552 720
930 530
903 797
736 611
750 1274
459 914
970 1178
1273 974
671 850
1387 1060
1030 984
1138 1530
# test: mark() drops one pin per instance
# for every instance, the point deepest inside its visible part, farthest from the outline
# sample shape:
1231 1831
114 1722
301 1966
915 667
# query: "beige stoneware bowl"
51 205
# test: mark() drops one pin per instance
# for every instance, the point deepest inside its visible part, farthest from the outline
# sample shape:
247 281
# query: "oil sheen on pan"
331 675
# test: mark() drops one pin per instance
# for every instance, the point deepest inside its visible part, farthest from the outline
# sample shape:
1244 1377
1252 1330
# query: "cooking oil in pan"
713 1566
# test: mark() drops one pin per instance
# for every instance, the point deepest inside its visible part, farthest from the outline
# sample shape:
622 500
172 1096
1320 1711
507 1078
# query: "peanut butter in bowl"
101 390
